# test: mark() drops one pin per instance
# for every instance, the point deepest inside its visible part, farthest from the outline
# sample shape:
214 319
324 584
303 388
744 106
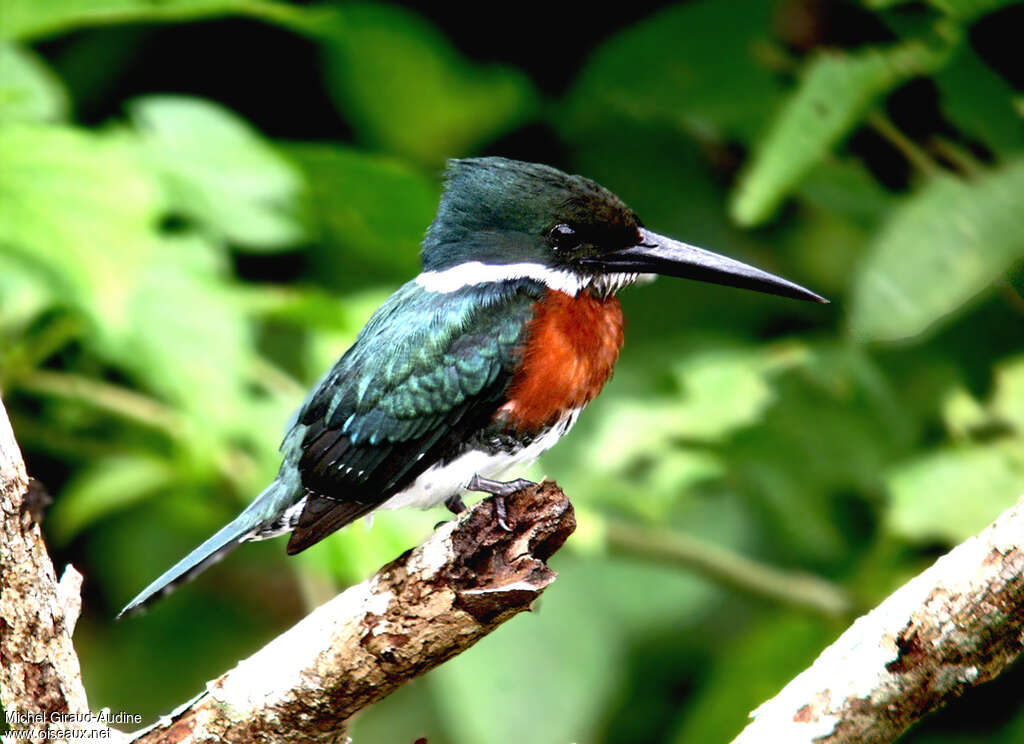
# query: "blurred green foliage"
172 280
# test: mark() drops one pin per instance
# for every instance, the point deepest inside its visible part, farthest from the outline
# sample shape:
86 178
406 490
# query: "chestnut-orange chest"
570 347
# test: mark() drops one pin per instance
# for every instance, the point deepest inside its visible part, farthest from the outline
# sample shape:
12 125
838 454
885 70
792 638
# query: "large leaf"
369 212
405 89
83 212
189 338
834 426
28 90
644 454
26 19
719 391
834 93
961 10
694 66
79 209
750 669
952 494
24 295
980 102
104 487
1008 400
846 189
945 245
964 414
220 172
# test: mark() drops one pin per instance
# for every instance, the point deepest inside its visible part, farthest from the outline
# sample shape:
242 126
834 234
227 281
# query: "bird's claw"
499 490
501 513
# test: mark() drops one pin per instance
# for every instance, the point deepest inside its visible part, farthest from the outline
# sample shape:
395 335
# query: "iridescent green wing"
427 371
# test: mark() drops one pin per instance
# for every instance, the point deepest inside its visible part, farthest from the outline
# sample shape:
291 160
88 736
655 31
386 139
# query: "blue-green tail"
252 523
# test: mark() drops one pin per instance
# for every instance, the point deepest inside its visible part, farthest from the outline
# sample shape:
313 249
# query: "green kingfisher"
476 366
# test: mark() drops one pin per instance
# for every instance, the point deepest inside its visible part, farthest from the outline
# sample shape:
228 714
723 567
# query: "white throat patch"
472 273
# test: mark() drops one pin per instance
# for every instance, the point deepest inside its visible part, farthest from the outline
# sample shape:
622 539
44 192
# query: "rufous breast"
571 346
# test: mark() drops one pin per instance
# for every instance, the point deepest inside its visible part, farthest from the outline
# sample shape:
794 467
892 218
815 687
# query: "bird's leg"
455 504
499 490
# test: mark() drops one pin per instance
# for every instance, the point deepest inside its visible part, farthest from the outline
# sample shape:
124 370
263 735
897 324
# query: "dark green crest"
501 211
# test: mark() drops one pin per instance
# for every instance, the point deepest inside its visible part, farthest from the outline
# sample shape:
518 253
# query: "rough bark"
39 673
958 624
415 613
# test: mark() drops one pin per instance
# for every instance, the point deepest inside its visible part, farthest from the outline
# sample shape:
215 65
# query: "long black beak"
656 254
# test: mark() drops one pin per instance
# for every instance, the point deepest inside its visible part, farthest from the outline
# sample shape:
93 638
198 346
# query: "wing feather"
427 371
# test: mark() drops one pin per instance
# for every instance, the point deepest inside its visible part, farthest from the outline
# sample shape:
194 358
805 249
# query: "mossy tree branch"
958 624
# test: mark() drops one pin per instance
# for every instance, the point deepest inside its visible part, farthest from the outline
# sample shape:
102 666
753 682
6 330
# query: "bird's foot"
499 490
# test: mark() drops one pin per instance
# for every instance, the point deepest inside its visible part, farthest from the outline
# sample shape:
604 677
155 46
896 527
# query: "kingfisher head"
502 219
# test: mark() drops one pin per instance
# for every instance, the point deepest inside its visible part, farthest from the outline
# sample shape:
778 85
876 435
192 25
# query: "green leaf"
846 188
312 308
23 296
406 90
834 427
725 391
643 454
980 102
81 211
964 414
366 208
189 339
105 487
961 10
220 172
29 19
719 391
952 494
29 91
747 671
1008 400
694 66
835 92
946 244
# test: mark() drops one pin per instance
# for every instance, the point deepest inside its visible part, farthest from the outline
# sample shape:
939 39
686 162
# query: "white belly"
440 482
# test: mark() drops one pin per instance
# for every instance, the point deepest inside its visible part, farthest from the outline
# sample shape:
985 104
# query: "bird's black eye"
563 238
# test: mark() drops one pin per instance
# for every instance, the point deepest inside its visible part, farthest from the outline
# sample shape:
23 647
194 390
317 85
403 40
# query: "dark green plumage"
500 211
426 371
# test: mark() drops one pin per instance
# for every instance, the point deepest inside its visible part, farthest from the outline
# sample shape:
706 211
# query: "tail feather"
245 526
